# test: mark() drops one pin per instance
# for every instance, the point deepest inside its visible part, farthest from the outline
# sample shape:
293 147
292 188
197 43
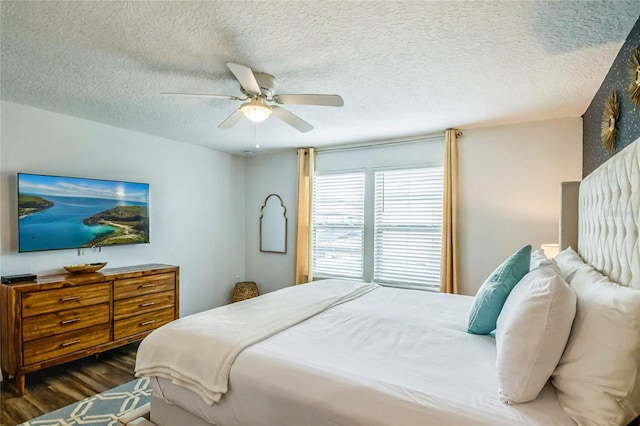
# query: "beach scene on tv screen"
63 212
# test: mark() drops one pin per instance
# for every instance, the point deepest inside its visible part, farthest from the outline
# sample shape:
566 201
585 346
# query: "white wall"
265 175
510 190
196 199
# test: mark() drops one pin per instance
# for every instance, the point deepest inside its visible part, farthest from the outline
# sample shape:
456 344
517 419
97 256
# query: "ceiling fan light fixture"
256 110
259 88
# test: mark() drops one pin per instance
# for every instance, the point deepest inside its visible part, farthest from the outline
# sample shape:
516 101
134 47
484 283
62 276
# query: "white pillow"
538 258
569 261
597 379
532 331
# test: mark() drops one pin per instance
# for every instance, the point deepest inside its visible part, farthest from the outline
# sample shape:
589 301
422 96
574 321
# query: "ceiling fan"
259 89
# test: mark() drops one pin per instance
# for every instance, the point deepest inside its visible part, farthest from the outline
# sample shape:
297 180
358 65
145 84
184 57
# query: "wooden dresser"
60 318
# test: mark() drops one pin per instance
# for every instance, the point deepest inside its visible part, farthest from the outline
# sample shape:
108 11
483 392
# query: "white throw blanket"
197 352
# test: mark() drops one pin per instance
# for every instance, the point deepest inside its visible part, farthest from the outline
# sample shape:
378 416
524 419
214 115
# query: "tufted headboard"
609 217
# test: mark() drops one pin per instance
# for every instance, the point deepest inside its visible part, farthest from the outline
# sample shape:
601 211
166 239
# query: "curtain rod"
385 142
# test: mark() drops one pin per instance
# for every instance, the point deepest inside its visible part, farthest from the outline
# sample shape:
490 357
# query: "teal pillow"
491 296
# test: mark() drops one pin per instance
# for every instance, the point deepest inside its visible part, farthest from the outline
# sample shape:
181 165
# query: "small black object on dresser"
10 279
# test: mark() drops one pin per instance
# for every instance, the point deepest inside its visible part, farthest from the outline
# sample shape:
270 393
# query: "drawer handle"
148 322
146 285
69 321
147 304
73 342
69 299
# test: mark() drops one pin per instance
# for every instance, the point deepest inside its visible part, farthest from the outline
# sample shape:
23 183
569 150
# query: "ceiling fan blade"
246 78
323 100
208 95
231 120
291 119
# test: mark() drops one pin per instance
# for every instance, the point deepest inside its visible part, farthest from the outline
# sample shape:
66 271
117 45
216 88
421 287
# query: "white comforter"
391 357
209 342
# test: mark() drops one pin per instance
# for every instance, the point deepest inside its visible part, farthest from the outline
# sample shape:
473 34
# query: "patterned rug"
99 410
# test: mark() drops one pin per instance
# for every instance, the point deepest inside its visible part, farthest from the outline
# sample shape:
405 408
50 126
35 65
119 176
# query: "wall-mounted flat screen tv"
56 212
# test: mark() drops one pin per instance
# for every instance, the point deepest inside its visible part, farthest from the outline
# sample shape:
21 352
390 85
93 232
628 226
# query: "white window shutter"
408 227
338 225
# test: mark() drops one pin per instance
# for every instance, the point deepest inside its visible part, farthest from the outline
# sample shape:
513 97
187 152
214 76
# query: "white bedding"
390 357
217 336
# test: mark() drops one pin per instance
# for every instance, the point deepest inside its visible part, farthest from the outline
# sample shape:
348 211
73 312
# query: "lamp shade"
550 250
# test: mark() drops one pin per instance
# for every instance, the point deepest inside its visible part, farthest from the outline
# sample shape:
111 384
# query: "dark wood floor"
56 387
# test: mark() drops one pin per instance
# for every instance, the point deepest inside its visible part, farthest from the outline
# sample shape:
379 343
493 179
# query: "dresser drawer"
54 346
142 323
64 321
142 304
144 285
43 302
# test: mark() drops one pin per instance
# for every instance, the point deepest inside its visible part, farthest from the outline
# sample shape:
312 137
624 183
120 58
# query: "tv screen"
56 212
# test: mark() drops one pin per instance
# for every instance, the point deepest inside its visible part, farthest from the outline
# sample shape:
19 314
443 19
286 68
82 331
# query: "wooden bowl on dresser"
85 268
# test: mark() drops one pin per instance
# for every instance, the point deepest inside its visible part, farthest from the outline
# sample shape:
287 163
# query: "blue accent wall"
593 153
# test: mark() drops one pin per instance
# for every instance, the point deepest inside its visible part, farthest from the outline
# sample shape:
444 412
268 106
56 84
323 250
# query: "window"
393 236
408 227
377 212
338 225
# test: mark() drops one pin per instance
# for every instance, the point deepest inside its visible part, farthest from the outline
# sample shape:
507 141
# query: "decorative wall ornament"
273 225
609 131
634 73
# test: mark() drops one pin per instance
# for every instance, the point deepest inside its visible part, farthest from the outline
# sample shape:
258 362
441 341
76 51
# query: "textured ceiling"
403 68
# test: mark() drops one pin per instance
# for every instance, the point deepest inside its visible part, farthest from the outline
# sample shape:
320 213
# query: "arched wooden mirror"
273 225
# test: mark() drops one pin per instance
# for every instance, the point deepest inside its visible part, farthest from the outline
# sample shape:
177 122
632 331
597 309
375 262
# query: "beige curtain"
449 263
306 168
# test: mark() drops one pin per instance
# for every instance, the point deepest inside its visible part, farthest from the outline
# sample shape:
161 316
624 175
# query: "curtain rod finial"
458 133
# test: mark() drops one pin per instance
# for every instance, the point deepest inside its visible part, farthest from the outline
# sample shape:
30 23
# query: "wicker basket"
245 290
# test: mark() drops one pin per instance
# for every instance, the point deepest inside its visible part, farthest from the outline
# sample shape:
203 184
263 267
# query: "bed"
386 356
